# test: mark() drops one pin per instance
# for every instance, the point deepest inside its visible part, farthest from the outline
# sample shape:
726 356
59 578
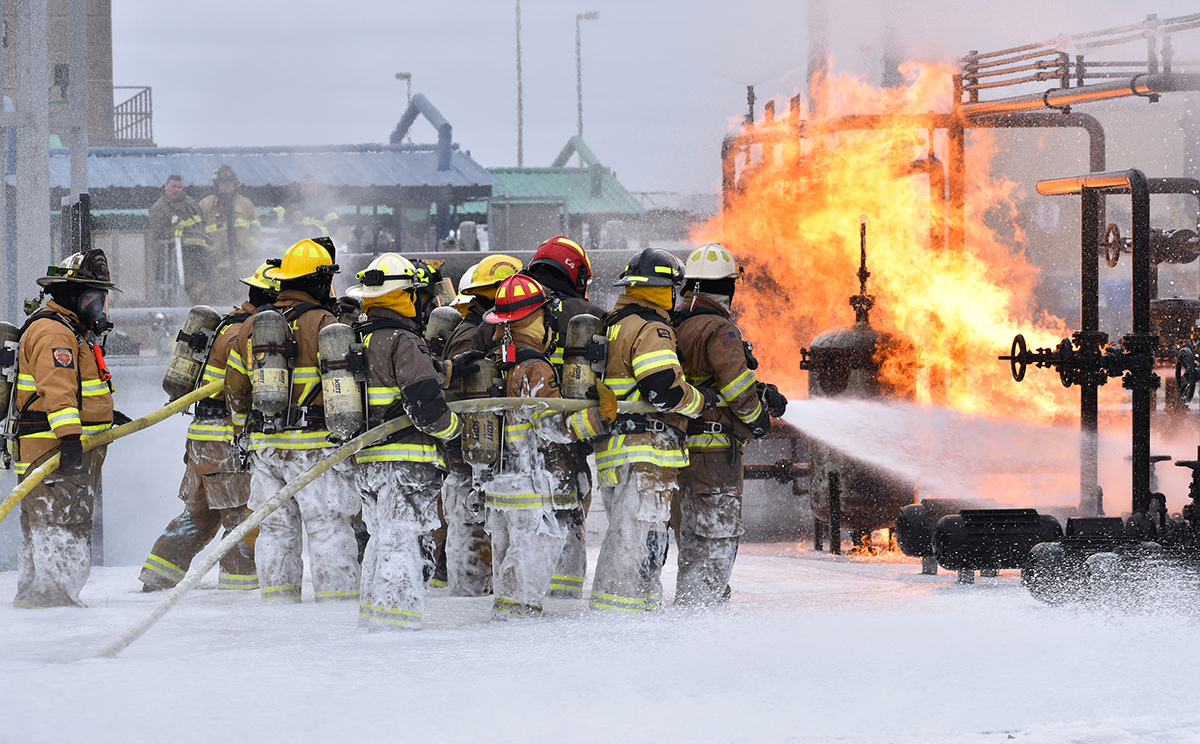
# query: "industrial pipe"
1144 85
35 476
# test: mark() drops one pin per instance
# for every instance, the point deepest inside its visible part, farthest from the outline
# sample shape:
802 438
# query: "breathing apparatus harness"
637 423
299 415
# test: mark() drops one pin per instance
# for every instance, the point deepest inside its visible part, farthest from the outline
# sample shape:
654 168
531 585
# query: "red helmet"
517 298
568 256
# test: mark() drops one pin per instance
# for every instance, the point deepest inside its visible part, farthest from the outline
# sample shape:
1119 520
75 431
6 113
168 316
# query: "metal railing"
133 119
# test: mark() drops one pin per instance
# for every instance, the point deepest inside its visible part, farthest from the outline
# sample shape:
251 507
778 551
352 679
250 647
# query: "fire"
795 226
878 546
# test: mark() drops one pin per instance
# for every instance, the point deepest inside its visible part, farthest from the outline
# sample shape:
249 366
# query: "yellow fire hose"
491 405
227 543
38 474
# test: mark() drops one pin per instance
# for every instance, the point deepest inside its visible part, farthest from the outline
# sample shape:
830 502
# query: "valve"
1113 245
1185 375
1086 359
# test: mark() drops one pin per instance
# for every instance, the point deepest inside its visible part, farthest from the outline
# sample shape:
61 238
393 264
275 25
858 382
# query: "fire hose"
250 522
38 474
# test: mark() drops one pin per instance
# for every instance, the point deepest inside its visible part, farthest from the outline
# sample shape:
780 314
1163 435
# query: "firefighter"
177 216
535 482
707 516
284 446
638 463
232 226
562 267
63 394
400 477
312 213
215 489
468 547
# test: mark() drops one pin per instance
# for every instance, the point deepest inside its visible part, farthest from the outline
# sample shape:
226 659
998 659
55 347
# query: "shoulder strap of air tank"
381 324
678 317
295 311
645 313
51 315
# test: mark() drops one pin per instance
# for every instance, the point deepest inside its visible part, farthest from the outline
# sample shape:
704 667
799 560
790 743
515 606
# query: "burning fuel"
795 214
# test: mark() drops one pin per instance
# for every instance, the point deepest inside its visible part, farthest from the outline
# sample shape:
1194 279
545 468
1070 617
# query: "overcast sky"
663 80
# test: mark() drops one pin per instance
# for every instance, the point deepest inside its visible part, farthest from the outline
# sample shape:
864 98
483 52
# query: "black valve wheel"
1112 245
1185 375
1066 366
1017 358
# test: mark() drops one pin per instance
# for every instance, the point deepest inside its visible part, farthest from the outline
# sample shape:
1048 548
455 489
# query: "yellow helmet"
491 271
302 259
259 279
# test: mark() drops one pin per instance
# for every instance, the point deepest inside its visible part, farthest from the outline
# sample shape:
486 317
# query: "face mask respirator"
93 311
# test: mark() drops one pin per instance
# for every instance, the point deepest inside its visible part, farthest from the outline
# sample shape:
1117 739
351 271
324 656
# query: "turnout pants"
629 568
707 518
322 510
468 547
526 545
399 505
55 555
214 495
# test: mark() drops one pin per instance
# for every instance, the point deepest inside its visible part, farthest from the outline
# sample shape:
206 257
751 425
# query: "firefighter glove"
461 365
70 452
120 419
711 397
774 400
608 403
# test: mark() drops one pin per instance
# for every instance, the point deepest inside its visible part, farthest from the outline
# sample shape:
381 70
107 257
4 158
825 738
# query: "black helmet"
651 267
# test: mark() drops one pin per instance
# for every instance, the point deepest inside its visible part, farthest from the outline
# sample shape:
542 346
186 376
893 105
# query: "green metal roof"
590 190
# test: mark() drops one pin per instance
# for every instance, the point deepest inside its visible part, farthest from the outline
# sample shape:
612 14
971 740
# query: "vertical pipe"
818 59
1089 314
835 513
78 105
728 172
520 97
32 250
1139 189
957 188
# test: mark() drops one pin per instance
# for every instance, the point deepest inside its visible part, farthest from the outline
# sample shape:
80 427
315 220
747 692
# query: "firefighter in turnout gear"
707 516
468 547
399 477
214 489
637 464
562 267
283 446
533 494
63 394
232 227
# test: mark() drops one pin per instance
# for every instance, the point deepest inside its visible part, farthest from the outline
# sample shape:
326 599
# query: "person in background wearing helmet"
232 227
535 482
707 516
311 213
278 455
562 266
638 463
468 547
214 489
399 477
63 394
177 216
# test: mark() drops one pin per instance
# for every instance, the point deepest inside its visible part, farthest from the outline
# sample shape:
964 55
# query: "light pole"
520 112
589 16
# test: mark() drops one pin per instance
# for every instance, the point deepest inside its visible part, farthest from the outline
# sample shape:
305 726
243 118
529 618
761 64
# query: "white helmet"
710 261
388 273
462 298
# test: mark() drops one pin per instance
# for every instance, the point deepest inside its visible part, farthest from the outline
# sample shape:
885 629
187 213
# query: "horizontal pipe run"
1058 98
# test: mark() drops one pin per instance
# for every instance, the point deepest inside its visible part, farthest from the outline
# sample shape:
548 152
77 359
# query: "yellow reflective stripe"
564 500
382 396
94 387
245 224
708 441
583 423
195 241
602 601
556 357
20 467
163 567
567 583
614 452
26 382
94 429
646 363
620 385
450 431
276 593
212 373
514 433
64 417
309 377
514 501
513 607
297 440
740 384
638 278
390 615
239 419
401 452
40 435
695 406
237 581
352 594
210 432
754 413
235 362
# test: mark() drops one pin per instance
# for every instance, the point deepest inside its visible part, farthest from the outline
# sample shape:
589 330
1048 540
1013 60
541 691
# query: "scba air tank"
270 383
339 349
442 322
10 340
583 356
481 431
191 351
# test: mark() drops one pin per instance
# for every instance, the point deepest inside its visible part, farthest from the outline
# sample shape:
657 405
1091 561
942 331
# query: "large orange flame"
794 224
